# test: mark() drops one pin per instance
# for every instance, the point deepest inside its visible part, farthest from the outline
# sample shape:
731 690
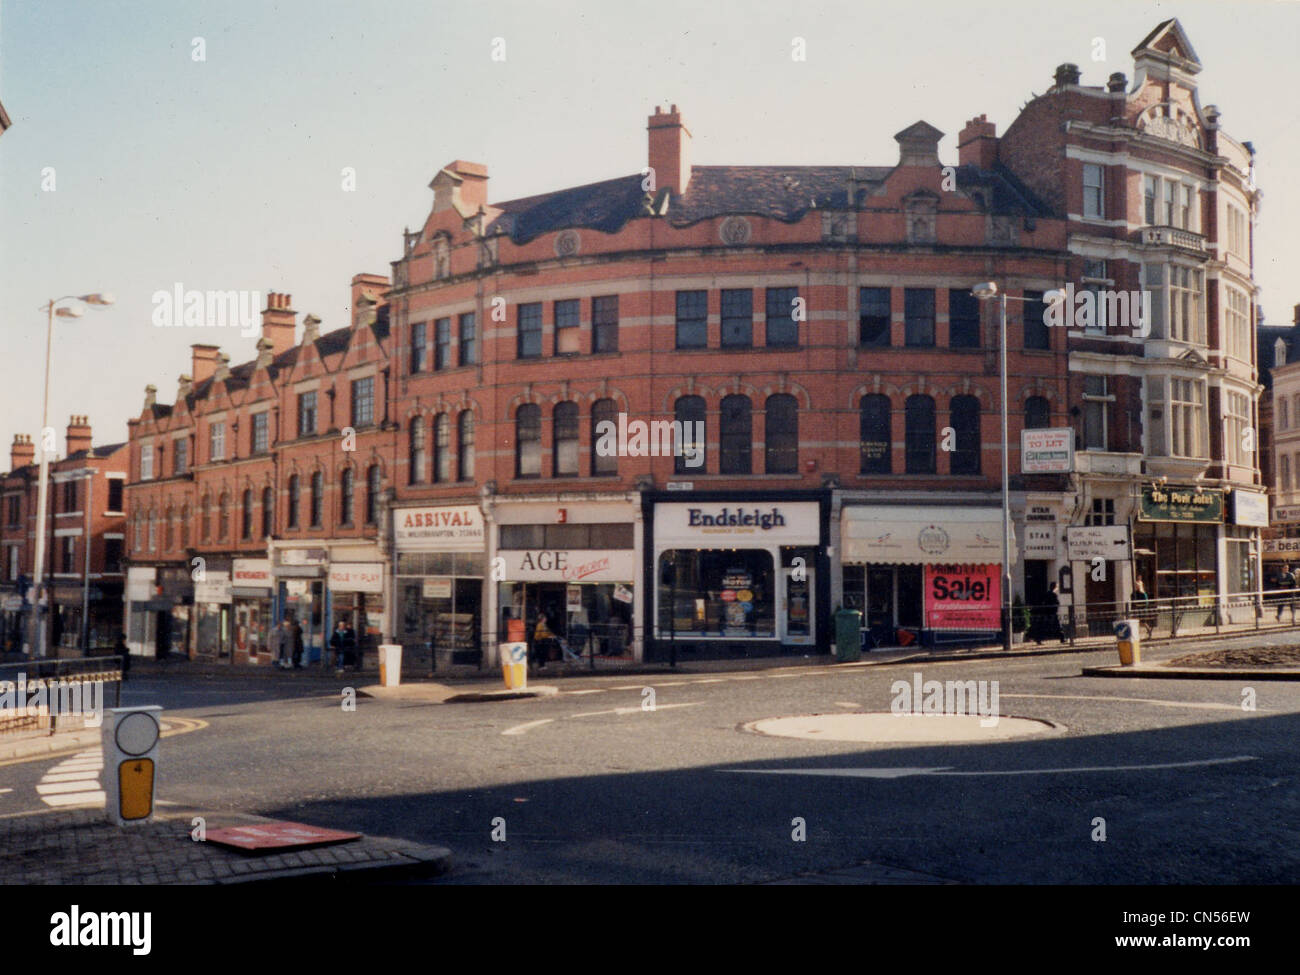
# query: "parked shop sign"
963 597
439 588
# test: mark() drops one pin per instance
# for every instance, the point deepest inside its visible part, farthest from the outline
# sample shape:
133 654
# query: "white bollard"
390 664
130 743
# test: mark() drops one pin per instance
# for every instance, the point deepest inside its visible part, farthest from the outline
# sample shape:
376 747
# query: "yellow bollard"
1128 635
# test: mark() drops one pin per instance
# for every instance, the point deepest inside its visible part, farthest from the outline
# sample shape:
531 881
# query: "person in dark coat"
1050 628
124 652
296 636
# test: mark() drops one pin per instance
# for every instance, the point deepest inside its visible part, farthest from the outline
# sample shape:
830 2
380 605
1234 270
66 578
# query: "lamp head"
98 298
72 311
985 289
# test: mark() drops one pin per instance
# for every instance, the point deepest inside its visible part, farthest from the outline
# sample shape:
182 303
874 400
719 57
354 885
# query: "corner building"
817 321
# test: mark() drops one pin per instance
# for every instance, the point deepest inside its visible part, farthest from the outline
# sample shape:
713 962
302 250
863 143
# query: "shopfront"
922 574
299 578
742 571
356 597
250 589
441 567
159 610
573 566
1176 541
214 612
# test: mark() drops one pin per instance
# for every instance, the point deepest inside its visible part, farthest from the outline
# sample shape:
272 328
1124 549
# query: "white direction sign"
1088 542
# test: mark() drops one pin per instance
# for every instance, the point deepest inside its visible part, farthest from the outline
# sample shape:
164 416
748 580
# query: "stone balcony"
1107 462
1184 240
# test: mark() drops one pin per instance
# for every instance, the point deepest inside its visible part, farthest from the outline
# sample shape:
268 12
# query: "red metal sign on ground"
277 836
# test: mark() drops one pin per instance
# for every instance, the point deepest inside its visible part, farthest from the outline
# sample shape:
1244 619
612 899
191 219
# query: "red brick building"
85 501
260 490
819 322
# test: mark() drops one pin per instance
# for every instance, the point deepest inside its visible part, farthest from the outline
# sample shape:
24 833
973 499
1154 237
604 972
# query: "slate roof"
1266 337
785 193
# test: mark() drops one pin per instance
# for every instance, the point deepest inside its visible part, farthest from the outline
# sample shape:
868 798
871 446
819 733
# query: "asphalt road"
589 786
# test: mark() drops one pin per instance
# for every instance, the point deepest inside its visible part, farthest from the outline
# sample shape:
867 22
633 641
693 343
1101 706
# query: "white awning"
917 535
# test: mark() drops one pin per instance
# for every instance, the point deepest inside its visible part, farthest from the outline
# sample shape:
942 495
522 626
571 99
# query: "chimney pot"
1067 74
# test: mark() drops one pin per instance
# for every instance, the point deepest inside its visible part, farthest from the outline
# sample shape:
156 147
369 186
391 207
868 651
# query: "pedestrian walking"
1286 582
124 652
281 644
342 642
1140 606
295 632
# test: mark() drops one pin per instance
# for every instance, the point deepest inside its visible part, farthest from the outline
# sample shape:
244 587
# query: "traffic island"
79 847
1268 662
431 693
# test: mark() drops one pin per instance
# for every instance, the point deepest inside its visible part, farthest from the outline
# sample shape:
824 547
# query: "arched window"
689 433
416 447
465 446
137 534
1284 473
295 489
964 415
604 436
737 425
875 439
205 518
169 528
1038 413
153 534
564 440
781 435
1283 420
919 435
442 448
247 514
528 441
347 491
372 495
185 526
317 498
223 516
268 512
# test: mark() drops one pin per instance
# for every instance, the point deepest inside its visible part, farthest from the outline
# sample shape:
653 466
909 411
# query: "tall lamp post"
40 622
985 291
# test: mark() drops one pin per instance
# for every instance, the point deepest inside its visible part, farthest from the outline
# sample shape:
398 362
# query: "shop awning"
919 535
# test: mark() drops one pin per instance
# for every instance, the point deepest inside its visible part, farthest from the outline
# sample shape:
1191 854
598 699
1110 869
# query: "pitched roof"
785 193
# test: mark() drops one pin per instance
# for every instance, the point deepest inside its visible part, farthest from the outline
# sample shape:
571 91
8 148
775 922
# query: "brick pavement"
81 847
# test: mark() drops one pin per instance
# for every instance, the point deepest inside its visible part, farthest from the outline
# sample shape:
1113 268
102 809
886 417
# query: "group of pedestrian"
287 647
286 644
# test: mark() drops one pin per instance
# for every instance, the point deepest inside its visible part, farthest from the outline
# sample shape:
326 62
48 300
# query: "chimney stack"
150 396
184 386
223 366
278 322
1067 74
1118 83
203 362
977 144
78 434
23 452
263 353
670 150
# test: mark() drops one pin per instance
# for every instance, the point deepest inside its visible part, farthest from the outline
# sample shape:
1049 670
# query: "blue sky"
225 173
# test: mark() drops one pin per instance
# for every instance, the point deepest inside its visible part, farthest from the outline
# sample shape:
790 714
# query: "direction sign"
1088 542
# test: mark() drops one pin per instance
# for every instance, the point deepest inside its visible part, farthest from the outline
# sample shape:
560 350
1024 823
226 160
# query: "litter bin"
390 664
514 665
848 635
1128 635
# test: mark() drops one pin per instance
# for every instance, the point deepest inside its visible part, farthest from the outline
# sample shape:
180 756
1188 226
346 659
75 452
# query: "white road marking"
635 708
3 791
519 729
895 773
594 690
74 782
1209 705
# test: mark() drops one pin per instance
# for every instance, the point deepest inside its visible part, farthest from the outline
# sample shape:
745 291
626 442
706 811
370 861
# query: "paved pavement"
81 847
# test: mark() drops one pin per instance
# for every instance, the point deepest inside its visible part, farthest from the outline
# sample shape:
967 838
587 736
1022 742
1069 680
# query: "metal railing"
1167 617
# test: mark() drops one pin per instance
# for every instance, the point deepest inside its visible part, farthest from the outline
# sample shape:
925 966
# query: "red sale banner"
963 597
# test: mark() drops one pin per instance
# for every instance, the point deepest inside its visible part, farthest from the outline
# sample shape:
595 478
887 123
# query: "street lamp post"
985 291
39 622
